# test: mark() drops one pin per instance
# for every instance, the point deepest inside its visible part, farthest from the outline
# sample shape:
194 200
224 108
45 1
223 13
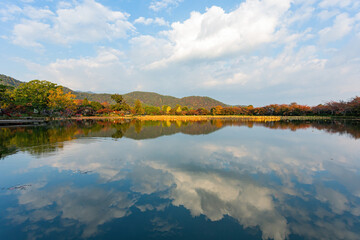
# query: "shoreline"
202 118
197 118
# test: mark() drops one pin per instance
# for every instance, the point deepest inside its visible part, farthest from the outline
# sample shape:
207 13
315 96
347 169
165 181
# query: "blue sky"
240 52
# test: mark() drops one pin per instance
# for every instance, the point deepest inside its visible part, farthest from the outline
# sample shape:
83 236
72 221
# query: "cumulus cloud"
27 33
87 21
216 33
259 45
99 72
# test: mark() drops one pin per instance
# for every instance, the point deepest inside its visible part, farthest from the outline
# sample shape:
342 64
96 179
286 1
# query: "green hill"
147 98
9 81
154 99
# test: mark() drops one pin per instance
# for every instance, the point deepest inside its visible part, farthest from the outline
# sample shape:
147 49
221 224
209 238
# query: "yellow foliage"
60 100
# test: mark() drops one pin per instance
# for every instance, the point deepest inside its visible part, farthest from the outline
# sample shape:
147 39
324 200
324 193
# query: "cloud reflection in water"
282 182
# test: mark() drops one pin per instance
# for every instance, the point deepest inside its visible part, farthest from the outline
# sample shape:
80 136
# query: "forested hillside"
147 98
9 81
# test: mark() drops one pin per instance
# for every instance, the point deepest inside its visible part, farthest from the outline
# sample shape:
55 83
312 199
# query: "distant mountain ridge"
9 81
147 98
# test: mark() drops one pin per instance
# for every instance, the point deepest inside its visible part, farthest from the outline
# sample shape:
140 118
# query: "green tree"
34 94
5 95
151 110
117 98
96 105
139 110
166 109
120 104
85 102
185 109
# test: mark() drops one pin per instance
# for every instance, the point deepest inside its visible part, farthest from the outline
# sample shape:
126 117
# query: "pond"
180 180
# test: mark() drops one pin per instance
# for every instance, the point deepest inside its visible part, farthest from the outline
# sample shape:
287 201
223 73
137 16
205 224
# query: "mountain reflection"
49 138
282 184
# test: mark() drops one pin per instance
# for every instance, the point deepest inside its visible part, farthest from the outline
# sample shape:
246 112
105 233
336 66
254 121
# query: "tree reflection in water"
84 176
49 138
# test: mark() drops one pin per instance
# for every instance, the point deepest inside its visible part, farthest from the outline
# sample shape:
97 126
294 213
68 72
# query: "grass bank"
205 118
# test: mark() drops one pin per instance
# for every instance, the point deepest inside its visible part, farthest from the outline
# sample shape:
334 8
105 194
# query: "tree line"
49 99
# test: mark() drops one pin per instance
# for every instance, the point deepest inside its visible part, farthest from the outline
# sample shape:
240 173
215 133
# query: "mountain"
9 81
154 99
147 98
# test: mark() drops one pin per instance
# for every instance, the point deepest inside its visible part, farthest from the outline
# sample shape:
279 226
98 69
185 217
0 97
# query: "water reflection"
274 184
49 138
90 207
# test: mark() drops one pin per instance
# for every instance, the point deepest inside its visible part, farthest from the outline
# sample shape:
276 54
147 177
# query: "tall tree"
139 110
34 94
120 105
117 98
58 100
166 109
5 94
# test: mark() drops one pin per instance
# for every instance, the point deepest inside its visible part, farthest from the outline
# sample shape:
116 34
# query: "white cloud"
88 21
9 12
157 5
337 3
236 79
37 13
216 33
27 33
63 4
92 73
12 12
325 14
149 48
148 21
343 25
258 46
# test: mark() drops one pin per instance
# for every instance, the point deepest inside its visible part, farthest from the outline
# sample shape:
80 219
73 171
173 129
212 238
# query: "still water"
180 180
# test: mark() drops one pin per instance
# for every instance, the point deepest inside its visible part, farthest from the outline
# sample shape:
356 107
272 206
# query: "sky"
239 52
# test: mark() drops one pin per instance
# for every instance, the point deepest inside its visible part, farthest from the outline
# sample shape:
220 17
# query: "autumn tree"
58 100
139 110
218 110
178 109
166 109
